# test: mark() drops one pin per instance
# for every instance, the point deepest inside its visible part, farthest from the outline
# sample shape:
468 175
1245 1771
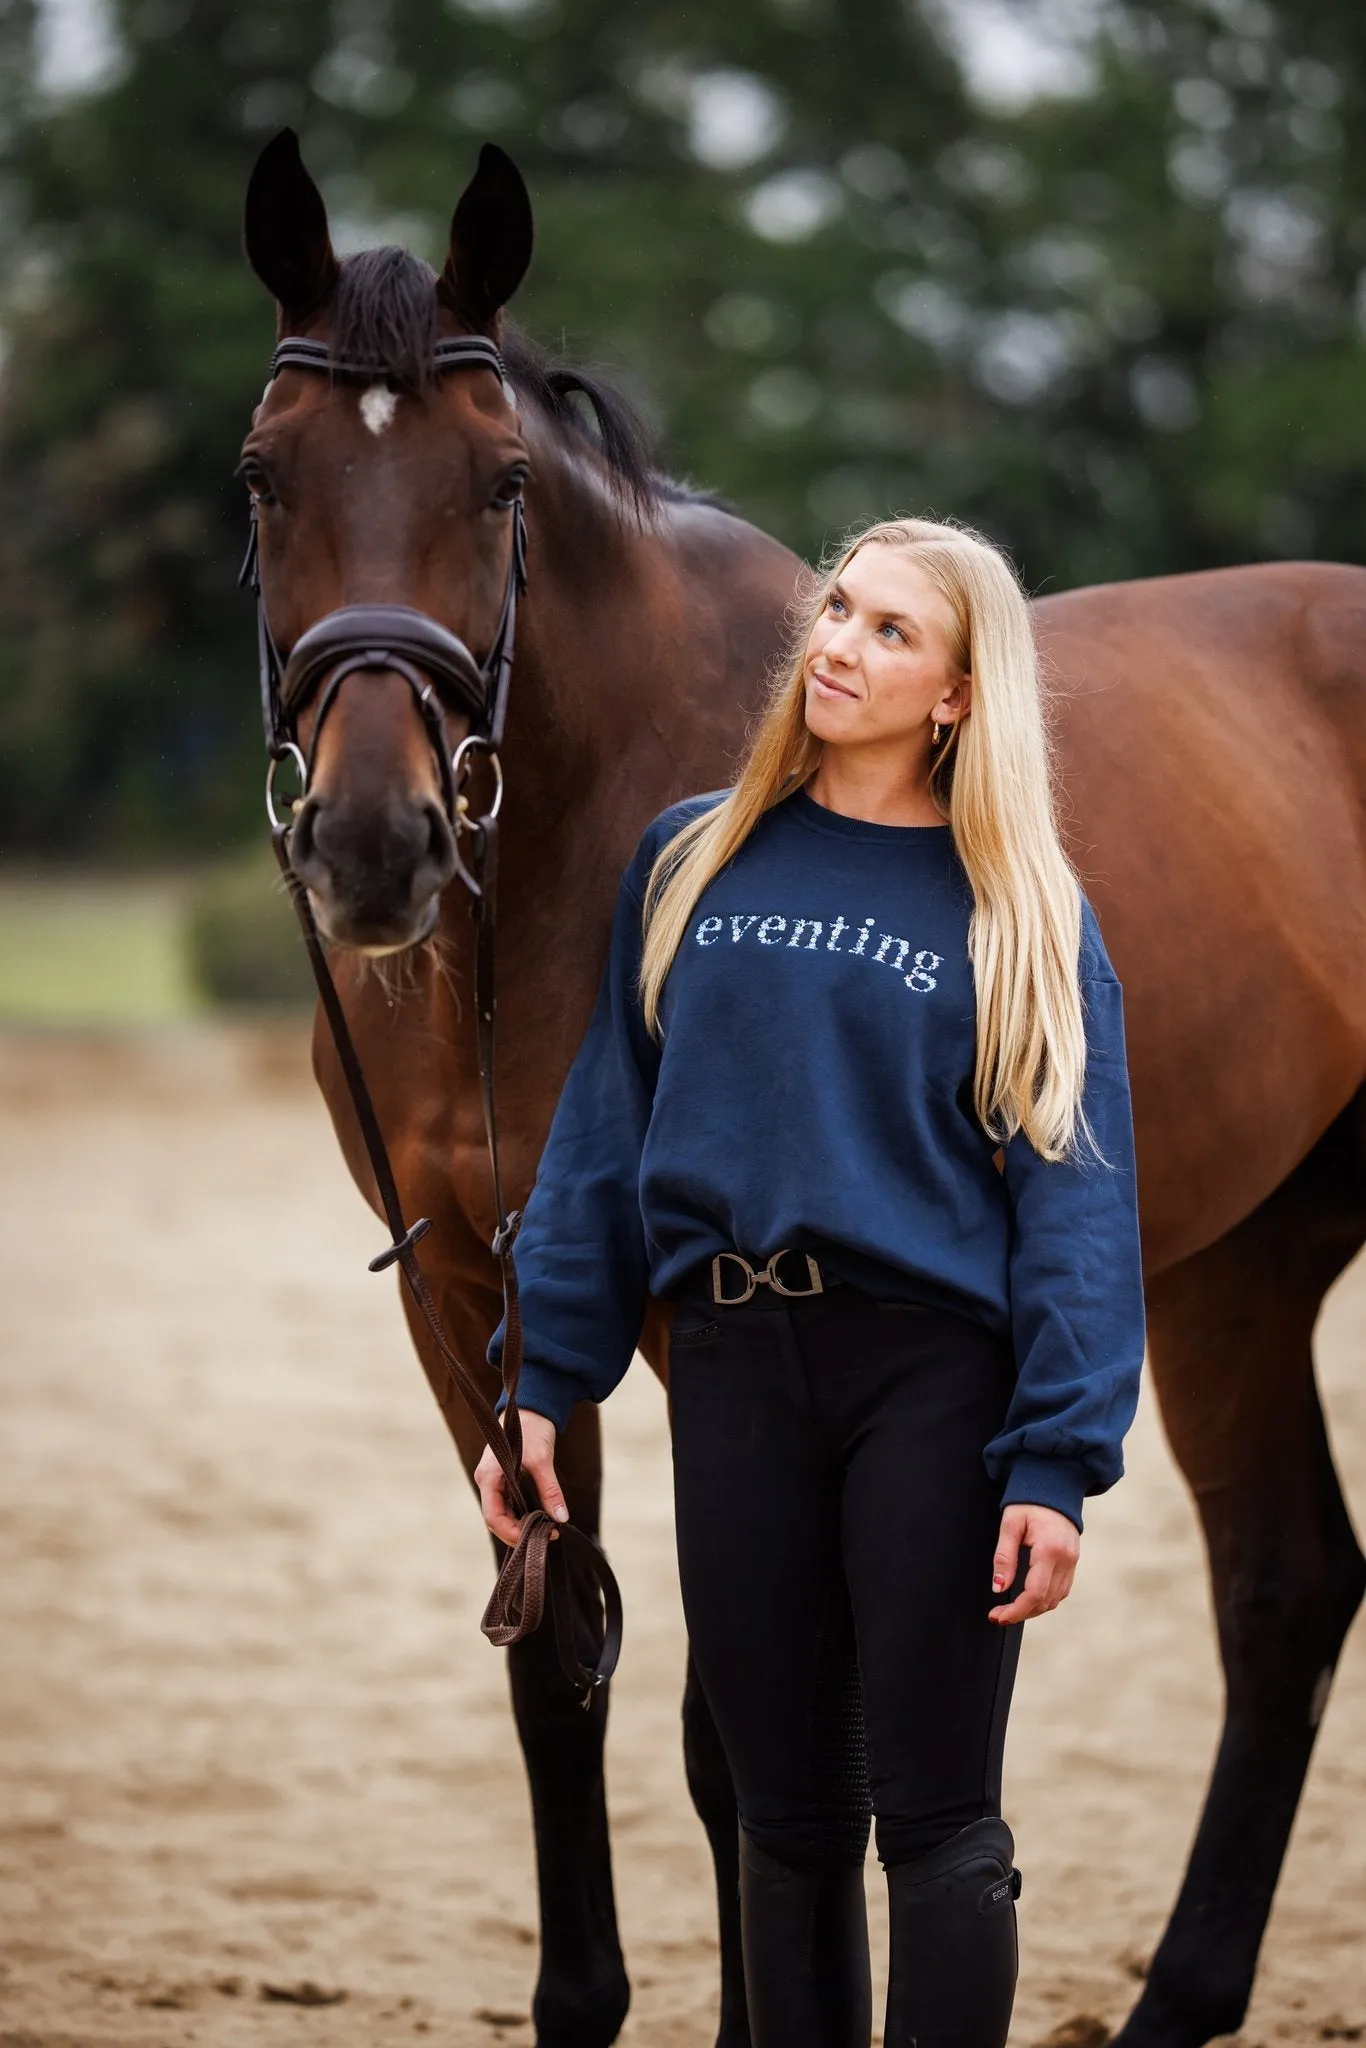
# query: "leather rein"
441 673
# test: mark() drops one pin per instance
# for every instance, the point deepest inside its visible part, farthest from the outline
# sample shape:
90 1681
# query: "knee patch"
840 1810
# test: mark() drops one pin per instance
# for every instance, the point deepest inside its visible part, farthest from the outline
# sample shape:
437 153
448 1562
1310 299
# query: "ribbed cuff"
1047 1483
547 1392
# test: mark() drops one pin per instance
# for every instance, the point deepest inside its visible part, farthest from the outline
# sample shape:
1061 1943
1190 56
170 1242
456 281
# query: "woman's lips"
829 685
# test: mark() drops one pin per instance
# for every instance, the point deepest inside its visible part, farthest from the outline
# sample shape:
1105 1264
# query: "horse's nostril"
440 842
301 833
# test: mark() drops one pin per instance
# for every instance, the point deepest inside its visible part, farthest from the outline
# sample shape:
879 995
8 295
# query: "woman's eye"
509 490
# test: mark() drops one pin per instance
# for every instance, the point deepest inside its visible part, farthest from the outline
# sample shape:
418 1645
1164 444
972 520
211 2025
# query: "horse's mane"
385 312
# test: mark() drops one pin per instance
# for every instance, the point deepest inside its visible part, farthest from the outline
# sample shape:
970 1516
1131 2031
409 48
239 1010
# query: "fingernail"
561 1514
998 1585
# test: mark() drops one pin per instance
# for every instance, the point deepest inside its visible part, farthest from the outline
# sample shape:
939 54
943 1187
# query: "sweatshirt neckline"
804 810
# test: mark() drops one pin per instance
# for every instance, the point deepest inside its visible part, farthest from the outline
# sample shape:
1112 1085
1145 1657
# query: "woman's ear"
955 703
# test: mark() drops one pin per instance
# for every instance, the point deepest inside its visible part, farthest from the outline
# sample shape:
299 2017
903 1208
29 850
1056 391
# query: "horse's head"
391 489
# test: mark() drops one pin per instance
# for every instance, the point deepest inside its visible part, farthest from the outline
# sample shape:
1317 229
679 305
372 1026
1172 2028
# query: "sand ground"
250 1736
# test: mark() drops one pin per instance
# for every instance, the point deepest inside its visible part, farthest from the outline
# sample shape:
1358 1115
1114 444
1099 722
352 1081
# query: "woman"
854 1098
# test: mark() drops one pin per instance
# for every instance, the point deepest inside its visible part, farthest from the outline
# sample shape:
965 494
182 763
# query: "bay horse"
1212 742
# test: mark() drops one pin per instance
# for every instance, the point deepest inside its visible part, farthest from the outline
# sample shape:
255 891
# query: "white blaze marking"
378 406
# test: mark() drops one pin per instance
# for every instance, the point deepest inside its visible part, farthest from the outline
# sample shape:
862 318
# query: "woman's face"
879 664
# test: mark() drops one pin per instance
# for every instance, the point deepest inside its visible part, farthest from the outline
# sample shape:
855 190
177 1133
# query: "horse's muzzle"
374 876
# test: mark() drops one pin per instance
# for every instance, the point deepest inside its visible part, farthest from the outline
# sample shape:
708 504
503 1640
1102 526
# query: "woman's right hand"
538 1462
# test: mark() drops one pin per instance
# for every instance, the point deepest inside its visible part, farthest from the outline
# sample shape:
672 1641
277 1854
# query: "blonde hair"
992 781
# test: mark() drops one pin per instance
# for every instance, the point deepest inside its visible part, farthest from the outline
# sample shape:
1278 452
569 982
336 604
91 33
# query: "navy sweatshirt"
813 1088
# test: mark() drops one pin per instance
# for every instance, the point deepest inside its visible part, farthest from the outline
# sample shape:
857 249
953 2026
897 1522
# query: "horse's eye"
256 481
509 490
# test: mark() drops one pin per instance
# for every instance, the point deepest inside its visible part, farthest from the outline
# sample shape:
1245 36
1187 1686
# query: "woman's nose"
843 643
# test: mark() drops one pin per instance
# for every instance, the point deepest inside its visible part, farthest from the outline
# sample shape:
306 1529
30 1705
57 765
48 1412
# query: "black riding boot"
954 1958
805 1940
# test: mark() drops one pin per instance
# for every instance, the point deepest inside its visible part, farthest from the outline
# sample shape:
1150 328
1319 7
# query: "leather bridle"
435 663
442 674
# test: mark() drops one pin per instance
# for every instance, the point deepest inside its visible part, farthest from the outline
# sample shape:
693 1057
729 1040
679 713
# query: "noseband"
442 674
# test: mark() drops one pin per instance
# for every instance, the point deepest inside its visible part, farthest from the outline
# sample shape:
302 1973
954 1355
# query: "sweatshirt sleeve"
582 1267
1076 1282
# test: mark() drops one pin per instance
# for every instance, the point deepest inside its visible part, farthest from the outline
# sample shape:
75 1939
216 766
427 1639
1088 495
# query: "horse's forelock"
384 313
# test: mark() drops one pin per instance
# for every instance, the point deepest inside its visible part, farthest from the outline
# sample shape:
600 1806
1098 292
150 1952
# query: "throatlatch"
440 670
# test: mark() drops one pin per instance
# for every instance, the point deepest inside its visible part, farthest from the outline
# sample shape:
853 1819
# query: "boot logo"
998 1893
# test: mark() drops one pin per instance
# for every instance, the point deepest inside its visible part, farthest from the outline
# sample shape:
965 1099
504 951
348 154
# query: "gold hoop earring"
936 732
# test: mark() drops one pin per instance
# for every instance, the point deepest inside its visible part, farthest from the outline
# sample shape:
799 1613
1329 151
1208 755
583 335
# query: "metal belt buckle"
813 1272
766 1277
718 1293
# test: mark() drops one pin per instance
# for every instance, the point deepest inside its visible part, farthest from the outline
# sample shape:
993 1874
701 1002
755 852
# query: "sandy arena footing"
257 1773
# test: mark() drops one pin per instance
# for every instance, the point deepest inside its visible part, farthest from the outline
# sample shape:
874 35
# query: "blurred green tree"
851 255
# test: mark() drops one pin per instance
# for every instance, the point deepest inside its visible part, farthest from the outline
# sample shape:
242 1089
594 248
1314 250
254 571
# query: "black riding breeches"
836 1530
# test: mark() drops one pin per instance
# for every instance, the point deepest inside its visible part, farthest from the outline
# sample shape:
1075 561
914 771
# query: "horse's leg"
1229 1338
581 1994
709 1780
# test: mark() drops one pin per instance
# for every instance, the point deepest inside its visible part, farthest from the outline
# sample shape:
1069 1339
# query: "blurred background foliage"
1086 272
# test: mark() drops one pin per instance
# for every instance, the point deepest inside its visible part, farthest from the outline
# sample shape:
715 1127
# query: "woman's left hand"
1054 1545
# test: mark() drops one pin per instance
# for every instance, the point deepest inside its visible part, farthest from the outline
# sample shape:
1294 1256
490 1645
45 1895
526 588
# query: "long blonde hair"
992 780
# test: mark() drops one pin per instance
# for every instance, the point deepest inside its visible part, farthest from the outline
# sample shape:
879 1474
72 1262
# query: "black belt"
789 1275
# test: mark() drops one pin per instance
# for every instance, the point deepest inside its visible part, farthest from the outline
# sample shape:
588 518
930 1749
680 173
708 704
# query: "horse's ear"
491 236
285 230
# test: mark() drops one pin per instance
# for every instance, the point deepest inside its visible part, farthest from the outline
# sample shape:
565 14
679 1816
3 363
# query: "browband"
463 351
